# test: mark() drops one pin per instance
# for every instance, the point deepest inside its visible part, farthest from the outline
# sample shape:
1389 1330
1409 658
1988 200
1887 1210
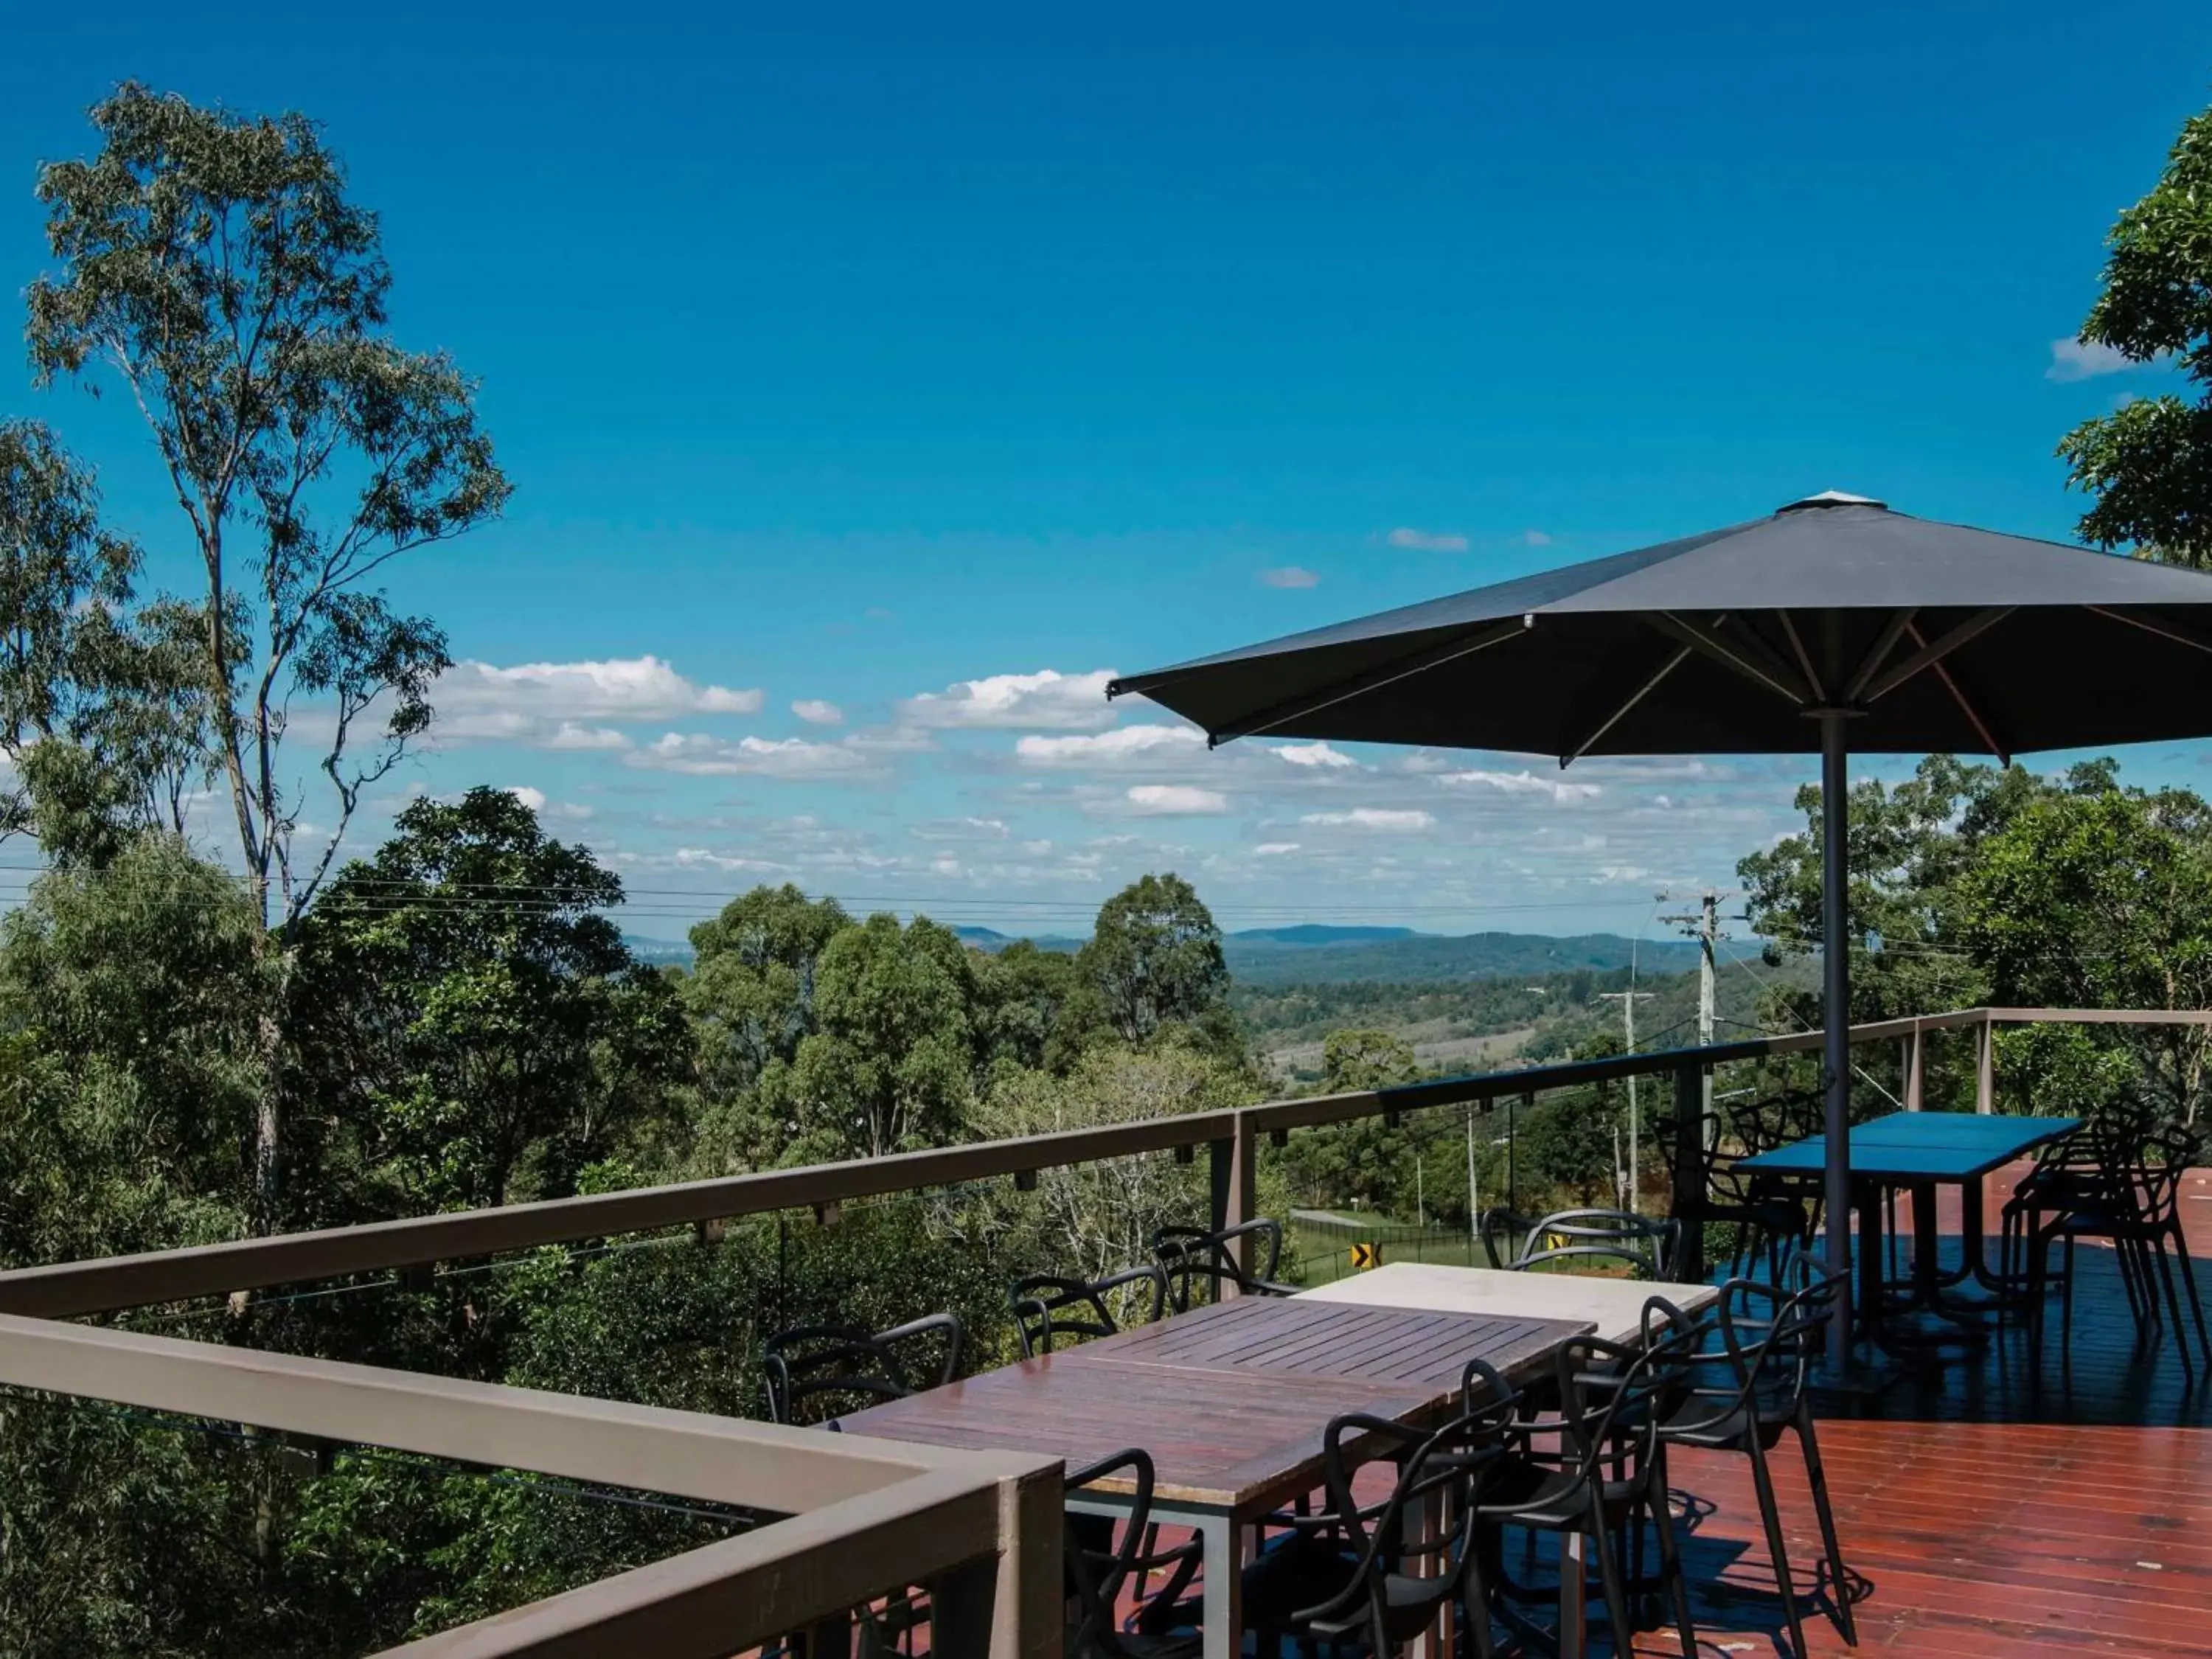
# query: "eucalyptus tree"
213 269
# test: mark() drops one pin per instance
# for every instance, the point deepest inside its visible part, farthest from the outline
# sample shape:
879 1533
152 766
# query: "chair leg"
1670 1565
1474 1604
2066 1300
1763 1483
2157 1246
1816 1476
2189 1278
1609 1573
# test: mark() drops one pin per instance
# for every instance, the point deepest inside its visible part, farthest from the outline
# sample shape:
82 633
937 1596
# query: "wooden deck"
1991 1507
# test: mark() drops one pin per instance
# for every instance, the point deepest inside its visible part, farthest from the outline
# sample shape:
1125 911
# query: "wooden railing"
981 1529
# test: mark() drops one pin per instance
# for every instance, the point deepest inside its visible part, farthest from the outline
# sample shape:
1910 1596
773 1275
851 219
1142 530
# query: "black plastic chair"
1048 1307
2141 1214
2086 1171
1344 1577
1598 1465
1192 1255
817 1372
1769 1335
1648 1246
1100 1572
1768 1215
1502 1232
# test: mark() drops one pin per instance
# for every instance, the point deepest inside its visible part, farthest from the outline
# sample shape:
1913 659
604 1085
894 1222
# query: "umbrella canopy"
1831 625
1932 635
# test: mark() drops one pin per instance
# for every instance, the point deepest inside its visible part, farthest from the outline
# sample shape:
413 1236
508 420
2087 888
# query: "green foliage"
1155 957
466 1017
2099 898
2149 464
212 267
892 1064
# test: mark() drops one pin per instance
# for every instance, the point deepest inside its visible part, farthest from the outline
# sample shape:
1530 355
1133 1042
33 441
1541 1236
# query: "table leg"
1871 1288
1574 1595
1430 1516
1927 1262
1222 1608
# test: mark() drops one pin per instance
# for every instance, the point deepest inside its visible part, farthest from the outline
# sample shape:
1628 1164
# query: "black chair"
2140 1213
1100 1572
1344 1577
816 1372
1047 1306
2089 1170
1502 1232
1769 1336
1192 1255
1597 1466
1767 1215
1648 1246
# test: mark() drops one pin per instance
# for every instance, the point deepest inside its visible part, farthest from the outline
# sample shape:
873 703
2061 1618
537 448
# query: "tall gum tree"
211 268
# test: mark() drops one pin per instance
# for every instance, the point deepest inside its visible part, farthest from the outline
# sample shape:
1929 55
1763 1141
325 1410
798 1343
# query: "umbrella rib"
1622 713
1885 643
1744 653
2164 630
1966 704
1928 656
1374 680
1804 658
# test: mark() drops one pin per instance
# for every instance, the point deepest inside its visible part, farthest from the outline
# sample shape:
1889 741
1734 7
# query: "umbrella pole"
1835 1019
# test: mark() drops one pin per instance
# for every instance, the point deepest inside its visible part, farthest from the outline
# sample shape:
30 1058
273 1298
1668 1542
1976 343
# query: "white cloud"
1313 754
1121 746
1175 799
1535 538
549 704
700 756
533 799
1271 849
816 712
569 735
1428 541
1374 818
2082 360
1049 698
1607 872
1524 783
1289 575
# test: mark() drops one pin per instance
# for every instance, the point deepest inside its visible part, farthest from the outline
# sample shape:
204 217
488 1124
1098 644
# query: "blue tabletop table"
1918 1151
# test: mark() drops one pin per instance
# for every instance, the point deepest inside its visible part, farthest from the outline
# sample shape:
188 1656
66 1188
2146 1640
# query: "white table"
1614 1306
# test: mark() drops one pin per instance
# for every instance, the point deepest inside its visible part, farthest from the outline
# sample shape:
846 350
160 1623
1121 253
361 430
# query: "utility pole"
1704 926
1473 1198
1627 999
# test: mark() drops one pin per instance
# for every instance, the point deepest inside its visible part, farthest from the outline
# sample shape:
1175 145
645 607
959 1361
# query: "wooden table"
1231 1402
1918 1151
1611 1308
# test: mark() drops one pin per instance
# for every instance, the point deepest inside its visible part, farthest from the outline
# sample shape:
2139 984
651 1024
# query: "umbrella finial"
1832 498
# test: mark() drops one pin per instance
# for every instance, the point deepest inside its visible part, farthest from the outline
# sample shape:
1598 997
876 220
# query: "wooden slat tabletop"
1231 1401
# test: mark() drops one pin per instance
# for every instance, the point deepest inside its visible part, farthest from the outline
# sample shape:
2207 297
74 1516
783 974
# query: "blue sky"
861 357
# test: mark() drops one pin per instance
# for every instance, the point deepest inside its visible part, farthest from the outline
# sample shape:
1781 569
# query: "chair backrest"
817 1372
1096 1570
1771 1336
1648 1246
1189 1255
1504 1231
1049 1308
1431 1460
1615 1397
2167 1158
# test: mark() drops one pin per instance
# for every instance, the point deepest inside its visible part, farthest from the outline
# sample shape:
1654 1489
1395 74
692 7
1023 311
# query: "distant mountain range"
1312 951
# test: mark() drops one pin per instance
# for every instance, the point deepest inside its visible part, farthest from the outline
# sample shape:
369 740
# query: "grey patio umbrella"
1832 625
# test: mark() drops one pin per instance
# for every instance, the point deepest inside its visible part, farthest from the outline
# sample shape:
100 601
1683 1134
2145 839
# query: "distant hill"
1315 933
1262 957
1312 953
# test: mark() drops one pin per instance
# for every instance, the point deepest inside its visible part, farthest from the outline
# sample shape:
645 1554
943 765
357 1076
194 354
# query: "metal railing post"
1986 1067
1913 1047
1690 1168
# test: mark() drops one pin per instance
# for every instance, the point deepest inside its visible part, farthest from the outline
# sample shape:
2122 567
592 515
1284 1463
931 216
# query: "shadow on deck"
1992 1505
